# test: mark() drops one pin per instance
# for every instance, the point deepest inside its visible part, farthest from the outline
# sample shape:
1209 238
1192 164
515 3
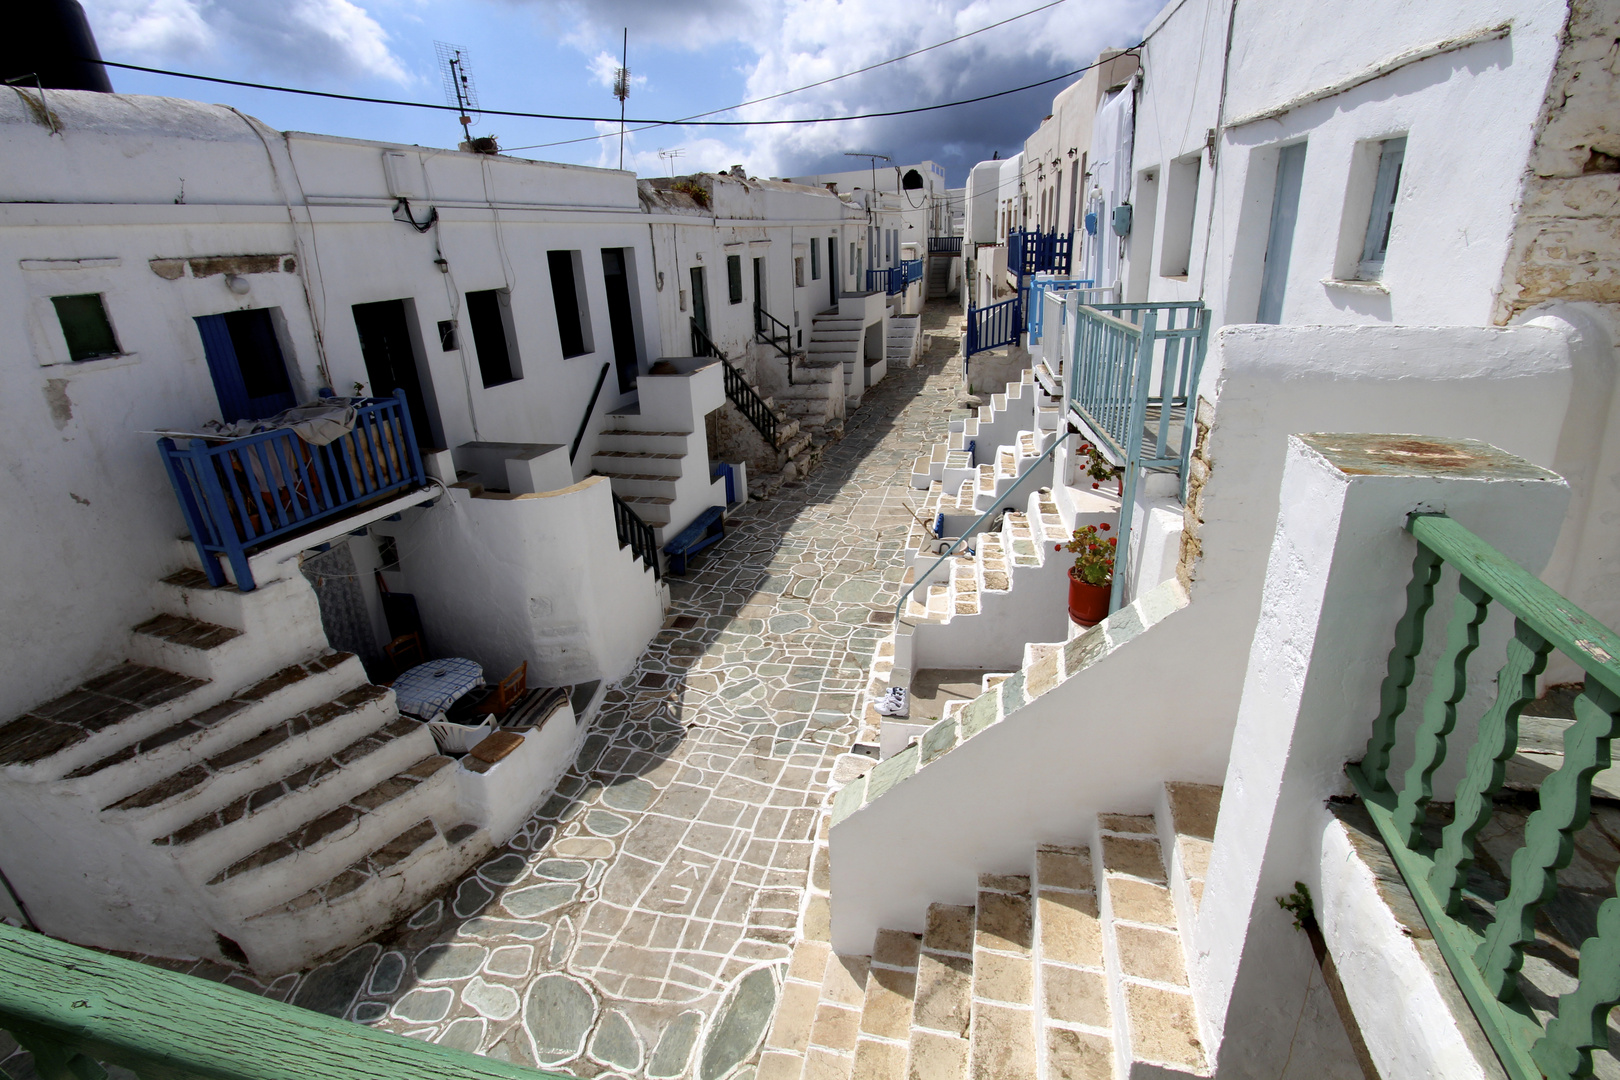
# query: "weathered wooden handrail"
242 493
76 1010
1485 953
590 407
766 326
637 535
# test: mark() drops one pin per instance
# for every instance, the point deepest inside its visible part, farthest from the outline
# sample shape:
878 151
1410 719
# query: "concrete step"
183 644
202 784
630 462
642 442
653 509
313 851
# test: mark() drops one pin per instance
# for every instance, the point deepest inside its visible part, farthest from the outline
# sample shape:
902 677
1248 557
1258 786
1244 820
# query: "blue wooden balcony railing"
944 245
1035 307
76 1011
1484 942
994 326
914 270
890 281
245 493
1039 253
1133 382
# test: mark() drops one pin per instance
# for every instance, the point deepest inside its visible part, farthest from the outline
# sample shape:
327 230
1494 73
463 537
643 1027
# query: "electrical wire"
811 86
604 119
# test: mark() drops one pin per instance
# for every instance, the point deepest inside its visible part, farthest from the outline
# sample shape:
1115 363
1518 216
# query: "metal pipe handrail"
900 604
585 420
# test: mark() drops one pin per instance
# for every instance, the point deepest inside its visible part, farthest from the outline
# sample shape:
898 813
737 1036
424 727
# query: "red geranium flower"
1105 526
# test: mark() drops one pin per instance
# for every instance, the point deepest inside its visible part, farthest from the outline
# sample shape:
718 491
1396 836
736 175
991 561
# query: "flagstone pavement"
640 923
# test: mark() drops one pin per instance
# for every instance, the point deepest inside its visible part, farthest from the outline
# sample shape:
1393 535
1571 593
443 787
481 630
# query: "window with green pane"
85 324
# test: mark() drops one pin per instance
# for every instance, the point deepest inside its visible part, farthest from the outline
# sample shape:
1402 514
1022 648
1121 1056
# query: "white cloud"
310 37
797 42
604 68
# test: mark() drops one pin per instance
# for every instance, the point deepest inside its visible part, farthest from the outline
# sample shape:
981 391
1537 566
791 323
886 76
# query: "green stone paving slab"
446 963
937 740
977 715
615 1043
753 704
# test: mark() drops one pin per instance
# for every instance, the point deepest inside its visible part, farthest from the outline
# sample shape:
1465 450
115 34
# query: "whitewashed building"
1394 226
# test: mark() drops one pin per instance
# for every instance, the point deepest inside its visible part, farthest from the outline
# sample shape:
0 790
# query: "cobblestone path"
640 923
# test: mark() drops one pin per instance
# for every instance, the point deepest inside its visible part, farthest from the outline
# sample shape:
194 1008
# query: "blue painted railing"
248 492
890 281
944 245
1034 307
994 326
1039 253
1134 374
913 269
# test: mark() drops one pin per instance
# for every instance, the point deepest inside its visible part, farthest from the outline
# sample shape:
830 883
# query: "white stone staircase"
644 467
903 342
837 339
1072 967
234 790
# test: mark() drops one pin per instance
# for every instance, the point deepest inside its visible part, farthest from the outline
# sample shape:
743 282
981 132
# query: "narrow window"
489 312
1391 155
1280 241
565 295
447 335
734 277
85 324
815 258
798 271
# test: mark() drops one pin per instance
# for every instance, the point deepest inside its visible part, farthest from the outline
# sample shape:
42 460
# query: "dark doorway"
700 302
832 270
621 316
391 359
245 360
759 283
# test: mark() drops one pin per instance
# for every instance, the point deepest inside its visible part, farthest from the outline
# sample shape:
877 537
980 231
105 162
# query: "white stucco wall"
1468 116
537 577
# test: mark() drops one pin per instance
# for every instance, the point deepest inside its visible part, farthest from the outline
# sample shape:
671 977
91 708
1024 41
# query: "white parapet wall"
1340 561
540 577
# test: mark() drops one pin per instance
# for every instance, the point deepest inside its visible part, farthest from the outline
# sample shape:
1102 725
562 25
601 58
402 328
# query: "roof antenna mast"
454 68
621 90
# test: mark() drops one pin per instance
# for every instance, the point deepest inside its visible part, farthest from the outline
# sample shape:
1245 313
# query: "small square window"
734 277
1391 156
447 335
85 324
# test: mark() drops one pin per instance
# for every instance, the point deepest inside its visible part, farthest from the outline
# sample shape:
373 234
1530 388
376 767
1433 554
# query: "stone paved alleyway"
640 923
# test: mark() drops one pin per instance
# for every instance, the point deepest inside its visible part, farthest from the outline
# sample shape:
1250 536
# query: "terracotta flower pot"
1088 604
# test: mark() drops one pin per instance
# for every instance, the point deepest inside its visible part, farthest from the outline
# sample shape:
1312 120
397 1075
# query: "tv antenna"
621 90
455 69
670 156
875 159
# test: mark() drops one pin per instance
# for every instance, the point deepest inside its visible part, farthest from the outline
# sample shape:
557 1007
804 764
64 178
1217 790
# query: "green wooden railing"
76 1010
1485 952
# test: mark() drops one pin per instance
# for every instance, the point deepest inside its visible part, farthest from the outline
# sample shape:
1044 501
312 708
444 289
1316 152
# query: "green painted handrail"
75 1009
900 604
1486 957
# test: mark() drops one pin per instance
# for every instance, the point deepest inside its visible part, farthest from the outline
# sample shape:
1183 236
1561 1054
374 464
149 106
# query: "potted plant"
1091 578
1099 470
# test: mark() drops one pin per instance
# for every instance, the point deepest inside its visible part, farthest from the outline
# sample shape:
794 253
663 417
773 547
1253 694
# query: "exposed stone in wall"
1566 243
1198 471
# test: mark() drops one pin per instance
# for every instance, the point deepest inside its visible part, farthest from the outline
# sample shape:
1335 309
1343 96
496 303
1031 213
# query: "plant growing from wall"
1093 554
1298 904
699 193
1099 469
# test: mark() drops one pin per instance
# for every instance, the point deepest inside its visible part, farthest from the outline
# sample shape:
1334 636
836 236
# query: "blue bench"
707 528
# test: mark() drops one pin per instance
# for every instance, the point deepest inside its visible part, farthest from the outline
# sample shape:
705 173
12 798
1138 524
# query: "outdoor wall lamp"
237 284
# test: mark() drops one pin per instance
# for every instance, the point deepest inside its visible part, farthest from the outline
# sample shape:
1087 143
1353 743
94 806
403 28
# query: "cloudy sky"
686 56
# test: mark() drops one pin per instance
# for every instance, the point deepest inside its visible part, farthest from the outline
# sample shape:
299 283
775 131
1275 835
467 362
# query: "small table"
429 689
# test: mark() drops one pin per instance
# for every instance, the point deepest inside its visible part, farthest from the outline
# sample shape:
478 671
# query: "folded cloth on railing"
317 423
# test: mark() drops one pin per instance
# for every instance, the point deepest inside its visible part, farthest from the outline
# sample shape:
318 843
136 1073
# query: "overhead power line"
603 119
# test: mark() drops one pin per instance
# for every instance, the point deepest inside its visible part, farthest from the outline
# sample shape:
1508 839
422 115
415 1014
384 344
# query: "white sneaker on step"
896 703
